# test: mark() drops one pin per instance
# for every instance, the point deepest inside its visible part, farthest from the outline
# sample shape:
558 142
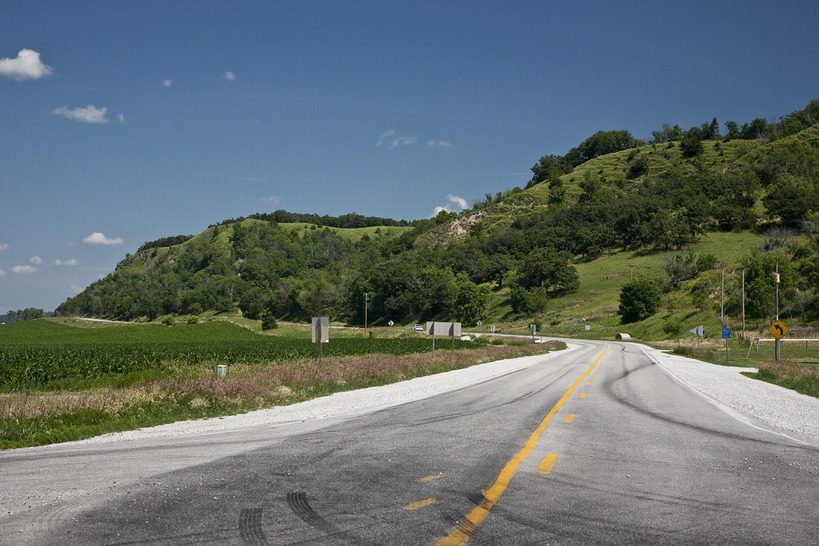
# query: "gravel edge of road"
781 410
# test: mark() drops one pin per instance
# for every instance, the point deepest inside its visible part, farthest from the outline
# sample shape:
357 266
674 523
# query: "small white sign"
390 323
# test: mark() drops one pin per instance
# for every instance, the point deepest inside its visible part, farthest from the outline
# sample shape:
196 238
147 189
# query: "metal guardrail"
758 340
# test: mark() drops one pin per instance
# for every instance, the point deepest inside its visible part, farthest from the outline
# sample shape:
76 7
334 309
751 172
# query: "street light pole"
365 313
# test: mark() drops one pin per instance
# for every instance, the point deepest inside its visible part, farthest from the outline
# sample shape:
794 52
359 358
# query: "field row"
25 367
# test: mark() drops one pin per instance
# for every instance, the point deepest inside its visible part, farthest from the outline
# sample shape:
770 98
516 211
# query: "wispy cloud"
455 200
24 269
98 238
25 66
120 118
2 273
270 200
75 288
167 83
70 262
36 260
391 139
3 246
88 114
229 76
439 143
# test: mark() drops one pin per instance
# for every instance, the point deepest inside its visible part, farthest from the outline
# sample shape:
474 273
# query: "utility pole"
365 313
743 304
777 342
722 295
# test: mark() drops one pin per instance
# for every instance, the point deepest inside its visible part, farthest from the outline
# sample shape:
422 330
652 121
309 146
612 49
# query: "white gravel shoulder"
338 405
750 400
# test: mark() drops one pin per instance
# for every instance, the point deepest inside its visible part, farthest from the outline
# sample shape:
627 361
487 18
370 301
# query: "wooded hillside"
512 253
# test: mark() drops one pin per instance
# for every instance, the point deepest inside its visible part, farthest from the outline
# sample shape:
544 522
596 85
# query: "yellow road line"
547 463
589 383
582 395
421 504
569 418
460 535
427 479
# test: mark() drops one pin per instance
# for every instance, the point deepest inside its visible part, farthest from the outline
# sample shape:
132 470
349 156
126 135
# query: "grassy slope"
221 242
596 301
351 234
716 156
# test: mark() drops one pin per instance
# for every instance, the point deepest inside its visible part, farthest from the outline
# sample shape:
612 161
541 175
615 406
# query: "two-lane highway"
596 446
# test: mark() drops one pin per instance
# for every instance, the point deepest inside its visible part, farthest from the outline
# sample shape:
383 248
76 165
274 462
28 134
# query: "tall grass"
791 375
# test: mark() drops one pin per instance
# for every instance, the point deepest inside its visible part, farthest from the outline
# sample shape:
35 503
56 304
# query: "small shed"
622 336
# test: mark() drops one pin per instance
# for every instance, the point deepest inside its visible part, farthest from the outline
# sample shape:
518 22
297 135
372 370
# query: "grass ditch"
802 378
43 417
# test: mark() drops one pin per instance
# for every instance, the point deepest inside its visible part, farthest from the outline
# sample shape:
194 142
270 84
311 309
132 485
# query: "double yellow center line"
460 535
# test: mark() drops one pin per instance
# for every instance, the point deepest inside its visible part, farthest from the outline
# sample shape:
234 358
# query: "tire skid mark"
297 501
482 409
250 527
619 390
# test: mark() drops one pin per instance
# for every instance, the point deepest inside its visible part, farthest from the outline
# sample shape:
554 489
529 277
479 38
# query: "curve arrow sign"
778 329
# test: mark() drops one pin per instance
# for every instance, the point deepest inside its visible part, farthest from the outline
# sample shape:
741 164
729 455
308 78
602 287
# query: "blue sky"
146 119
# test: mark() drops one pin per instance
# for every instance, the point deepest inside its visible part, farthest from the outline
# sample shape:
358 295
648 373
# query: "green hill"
558 251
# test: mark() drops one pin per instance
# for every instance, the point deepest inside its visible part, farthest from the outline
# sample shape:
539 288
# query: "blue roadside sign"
726 333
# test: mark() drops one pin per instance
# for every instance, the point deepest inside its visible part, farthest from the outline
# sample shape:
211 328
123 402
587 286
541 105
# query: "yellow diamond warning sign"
778 329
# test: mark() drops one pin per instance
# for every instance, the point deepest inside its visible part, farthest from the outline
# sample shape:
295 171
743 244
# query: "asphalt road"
599 446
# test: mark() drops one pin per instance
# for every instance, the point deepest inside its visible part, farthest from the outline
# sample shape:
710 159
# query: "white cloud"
167 83
2 273
24 269
69 262
270 200
98 238
391 139
229 76
3 246
36 260
120 118
439 143
26 66
89 114
456 200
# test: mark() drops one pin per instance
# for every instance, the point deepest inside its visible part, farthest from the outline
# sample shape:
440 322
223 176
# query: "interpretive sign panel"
443 329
